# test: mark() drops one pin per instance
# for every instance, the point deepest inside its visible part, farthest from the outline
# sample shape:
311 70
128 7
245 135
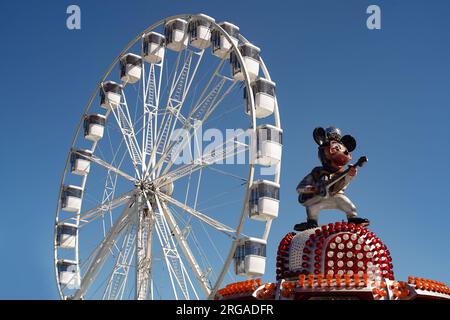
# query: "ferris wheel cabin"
250 257
200 31
264 200
250 55
110 94
79 162
269 143
66 235
264 95
94 127
154 47
130 68
176 34
68 272
220 45
71 198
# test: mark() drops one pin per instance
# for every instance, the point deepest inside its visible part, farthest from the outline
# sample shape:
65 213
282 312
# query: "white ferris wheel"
142 213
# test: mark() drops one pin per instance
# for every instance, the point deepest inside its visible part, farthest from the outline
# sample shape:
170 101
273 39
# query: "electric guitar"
324 188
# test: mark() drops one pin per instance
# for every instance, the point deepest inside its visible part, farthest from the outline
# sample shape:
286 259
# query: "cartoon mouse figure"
324 187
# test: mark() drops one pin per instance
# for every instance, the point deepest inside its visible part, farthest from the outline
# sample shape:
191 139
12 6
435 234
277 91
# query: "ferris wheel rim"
247 82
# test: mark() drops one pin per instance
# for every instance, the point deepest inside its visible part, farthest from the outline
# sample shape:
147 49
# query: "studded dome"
335 249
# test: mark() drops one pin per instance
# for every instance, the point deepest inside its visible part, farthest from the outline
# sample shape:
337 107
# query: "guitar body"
309 199
331 187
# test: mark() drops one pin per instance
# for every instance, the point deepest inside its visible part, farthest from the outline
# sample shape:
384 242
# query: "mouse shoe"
363 222
309 224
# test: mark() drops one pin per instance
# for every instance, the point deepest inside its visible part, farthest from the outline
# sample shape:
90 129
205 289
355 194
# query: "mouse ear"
349 142
319 135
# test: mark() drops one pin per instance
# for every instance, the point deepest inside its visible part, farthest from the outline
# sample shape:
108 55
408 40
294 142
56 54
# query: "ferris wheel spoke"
155 133
203 96
177 99
206 103
229 174
203 111
125 123
181 84
228 149
197 214
108 166
164 113
151 97
90 215
110 185
102 251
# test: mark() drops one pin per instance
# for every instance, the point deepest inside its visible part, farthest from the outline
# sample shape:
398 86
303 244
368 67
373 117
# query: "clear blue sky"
388 88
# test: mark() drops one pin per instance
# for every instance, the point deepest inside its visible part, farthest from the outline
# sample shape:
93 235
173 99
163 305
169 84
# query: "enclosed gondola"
269 143
66 235
94 127
79 162
130 68
176 34
68 274
154 47
250 257
264 97
220 45
200 31
71 198
250 55
264 200
110 94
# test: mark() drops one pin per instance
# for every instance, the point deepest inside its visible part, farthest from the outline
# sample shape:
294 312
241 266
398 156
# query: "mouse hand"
353 171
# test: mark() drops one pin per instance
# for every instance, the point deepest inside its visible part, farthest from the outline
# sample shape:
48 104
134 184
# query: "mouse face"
337 155
335 151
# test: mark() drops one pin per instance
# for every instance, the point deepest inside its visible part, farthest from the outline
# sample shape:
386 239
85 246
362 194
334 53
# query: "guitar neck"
361 161
339 177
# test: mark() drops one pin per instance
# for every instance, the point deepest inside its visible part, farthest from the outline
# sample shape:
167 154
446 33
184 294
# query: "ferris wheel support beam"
118 279
144 238
103 251
149 252
179 278
141 261
184 246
